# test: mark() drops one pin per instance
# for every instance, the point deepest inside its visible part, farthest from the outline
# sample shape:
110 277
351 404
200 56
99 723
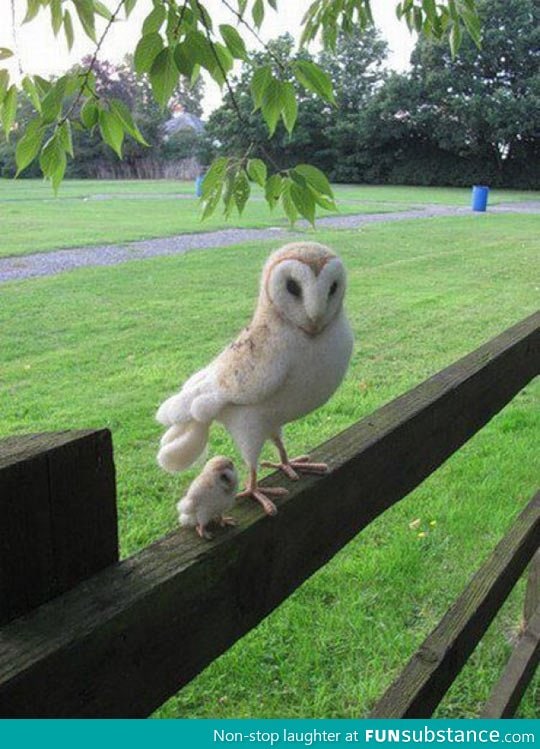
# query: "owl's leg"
261 495
291 468
203 533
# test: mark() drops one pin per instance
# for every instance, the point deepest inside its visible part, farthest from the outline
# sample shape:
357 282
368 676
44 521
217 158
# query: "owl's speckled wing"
248 371
253 367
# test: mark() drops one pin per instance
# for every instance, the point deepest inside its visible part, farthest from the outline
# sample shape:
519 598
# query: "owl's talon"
275 491
293 467
286 468
267 504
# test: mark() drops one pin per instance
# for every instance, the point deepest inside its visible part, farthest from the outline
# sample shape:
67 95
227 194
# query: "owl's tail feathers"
186 515
182 444
175 409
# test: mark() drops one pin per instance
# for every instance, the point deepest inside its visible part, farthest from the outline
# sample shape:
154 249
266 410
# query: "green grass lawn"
102 347
94 212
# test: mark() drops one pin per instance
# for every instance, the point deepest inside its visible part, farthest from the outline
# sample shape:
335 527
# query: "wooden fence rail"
125 639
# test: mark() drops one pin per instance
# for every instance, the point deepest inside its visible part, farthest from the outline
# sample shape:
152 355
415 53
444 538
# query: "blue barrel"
479 197
198 185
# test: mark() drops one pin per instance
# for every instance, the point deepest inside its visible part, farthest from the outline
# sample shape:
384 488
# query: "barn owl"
286 363
209 497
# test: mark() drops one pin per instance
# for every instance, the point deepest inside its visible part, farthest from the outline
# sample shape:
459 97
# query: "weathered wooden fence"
84 634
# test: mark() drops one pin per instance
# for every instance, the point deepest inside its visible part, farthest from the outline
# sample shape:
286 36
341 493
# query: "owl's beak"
314 326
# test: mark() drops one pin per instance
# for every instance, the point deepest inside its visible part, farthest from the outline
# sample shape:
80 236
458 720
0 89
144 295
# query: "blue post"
198 185
479 197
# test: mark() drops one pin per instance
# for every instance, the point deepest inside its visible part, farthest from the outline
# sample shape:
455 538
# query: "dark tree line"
472 119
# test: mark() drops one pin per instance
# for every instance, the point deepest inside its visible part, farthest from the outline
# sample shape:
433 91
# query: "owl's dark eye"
225 478
293 288
333 289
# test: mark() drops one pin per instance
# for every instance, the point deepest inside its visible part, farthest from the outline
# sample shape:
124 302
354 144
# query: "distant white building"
182 120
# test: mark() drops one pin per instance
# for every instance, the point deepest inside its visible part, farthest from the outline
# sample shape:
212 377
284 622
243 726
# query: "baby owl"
209 497
286 363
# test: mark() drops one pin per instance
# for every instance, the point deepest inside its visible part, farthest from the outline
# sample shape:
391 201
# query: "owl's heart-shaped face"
307 295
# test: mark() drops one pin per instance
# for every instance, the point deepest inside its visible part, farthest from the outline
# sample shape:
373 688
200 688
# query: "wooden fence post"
58 522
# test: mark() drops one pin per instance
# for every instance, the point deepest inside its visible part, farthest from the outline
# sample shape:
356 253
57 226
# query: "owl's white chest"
315 367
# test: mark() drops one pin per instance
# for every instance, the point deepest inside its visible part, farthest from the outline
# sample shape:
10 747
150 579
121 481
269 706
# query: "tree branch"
220 66
93 60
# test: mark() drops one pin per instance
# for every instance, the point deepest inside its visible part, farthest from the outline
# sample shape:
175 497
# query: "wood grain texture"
125 640
517 674
428 675
58 510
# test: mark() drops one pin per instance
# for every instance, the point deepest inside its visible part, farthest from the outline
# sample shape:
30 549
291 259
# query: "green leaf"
214 176
310 75
219 70
164 76
128 6
257 13
9 109
184 62
56 16
287 202
89 114
53 160
51 104
42 84
455 38
125 117
304 201
64 134
272 104
148 48
315 178
272 192
198 49
210 203
241 191
234 41
228 193
30 88
85 11
154 20
324 201
430 9
102 10
4 84
473 25
28 146
257 171
111 130
261 78
289 112
5 53
32 9
68 29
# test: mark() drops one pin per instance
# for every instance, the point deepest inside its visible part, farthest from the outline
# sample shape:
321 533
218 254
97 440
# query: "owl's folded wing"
246 372
252 368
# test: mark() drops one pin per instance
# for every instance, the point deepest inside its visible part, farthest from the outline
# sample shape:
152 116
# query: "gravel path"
50 263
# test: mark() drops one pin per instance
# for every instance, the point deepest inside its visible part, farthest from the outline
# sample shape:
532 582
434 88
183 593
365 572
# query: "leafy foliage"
179 39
